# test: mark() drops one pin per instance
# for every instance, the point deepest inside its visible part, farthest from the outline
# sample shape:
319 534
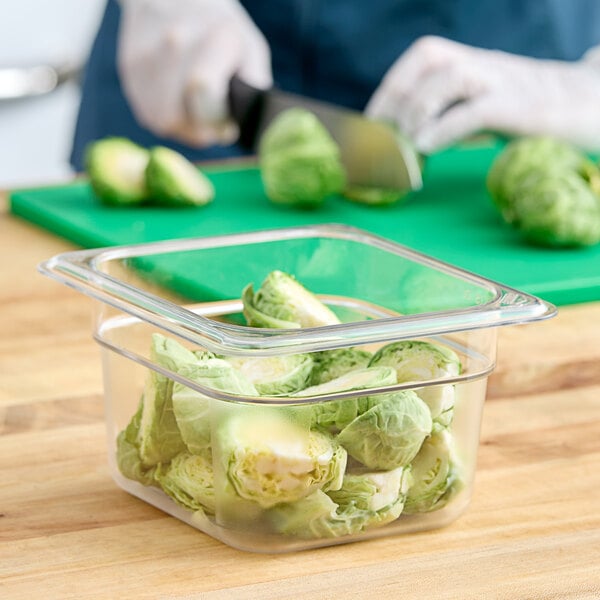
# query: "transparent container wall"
476 348
334 267
280 478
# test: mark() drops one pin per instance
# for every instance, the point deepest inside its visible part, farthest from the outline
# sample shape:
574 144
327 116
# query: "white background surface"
35 133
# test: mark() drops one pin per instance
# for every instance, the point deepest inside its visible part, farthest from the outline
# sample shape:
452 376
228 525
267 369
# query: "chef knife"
373 153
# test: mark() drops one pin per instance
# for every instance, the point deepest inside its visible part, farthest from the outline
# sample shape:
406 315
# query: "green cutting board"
452 218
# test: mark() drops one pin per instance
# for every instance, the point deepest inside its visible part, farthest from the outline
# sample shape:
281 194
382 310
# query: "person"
158 71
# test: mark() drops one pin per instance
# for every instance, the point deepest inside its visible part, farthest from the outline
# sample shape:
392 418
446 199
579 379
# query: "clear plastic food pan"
293 388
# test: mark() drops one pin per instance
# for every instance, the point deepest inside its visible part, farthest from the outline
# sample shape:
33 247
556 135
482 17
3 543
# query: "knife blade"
372 152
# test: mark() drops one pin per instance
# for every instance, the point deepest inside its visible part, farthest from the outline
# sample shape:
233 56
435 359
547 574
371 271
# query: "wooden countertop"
67 531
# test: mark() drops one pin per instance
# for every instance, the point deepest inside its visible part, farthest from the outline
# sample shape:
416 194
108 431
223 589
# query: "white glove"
440 91
175 60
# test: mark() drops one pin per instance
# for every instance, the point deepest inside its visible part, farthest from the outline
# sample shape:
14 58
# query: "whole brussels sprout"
524 155
549 190
390 433
557 209
299 161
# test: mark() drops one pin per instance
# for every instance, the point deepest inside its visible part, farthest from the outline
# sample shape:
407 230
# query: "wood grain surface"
67 531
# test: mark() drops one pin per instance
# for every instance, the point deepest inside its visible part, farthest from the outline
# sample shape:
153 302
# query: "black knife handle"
245 107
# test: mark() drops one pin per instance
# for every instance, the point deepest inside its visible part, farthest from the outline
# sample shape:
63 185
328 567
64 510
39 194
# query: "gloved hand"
175 60
440 91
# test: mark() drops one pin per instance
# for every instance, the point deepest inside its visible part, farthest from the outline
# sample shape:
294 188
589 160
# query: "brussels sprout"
440 400
390 433
158 437
525 155
116 166
359 379
315 516
549 190
257 318
192 408
372 196
373 491
557 209
204 354
275 375
339 413
281 301
189 480
432 472
299 161
269 459
365 501
172 179
128 455
331 364
415 360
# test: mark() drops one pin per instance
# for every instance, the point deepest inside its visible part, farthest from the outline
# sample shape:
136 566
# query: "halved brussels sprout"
373 490
282 302
269 459
128 455
365 501
339 413
433 472
159 439
192 408
390 433
331 364
116 166
204 354
315 516
416 360
275 375
440 399
173 180
360 379
372 196
257 318
189 480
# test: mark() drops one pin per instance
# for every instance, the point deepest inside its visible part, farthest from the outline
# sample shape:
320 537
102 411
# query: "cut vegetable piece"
116 168
172 179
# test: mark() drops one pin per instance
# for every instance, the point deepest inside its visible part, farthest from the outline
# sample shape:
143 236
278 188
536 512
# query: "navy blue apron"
338 50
